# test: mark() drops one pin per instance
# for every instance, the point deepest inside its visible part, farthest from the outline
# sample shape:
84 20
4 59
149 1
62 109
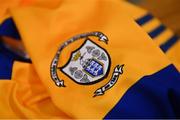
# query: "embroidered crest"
87 65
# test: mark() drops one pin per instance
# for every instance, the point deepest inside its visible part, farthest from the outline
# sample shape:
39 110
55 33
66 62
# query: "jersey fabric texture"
131 78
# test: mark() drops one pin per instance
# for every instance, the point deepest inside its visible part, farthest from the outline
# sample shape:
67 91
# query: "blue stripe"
154 96
157 31
8 28
144 19
6 62
169 43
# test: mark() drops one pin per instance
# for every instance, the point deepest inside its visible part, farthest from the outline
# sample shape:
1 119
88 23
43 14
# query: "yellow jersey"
88 59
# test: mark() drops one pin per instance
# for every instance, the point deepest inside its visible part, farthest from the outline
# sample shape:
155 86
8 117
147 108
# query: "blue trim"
153 96
6 61
157 31
141 21
169 43
8 28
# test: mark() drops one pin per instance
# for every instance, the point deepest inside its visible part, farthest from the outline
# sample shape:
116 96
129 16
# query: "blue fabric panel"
8 28
153 96
5 67
6 61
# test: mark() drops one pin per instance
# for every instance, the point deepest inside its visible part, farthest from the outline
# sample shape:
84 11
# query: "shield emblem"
88 64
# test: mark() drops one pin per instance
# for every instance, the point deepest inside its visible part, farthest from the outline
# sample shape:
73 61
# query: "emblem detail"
87 65
84 63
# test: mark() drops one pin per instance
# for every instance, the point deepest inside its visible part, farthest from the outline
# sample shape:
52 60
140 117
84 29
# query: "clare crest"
87 65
